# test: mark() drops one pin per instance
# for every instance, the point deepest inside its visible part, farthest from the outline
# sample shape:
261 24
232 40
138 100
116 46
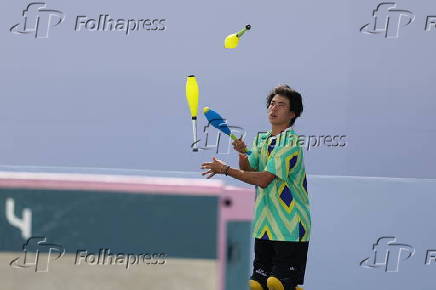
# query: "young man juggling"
282 223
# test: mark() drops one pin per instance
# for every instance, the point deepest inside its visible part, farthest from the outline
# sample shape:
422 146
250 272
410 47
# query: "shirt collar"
269 135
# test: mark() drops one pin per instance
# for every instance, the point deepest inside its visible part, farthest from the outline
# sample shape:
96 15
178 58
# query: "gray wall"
351 214
106 99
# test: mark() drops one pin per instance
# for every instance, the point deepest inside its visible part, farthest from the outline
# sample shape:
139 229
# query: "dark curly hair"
294 97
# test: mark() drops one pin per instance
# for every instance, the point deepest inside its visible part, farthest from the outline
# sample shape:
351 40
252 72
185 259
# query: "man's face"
278 111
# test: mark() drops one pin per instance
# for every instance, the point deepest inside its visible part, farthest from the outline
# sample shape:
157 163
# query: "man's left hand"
216 166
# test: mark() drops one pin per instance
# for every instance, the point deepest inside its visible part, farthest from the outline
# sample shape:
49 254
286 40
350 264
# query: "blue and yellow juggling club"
218 122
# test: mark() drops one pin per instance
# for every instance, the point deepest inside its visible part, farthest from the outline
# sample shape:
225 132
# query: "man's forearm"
254 178
244 164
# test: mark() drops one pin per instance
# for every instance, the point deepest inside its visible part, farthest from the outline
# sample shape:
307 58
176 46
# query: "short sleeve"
284 161
253 158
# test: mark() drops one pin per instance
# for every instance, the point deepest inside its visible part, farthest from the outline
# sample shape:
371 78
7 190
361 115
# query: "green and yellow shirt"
282 211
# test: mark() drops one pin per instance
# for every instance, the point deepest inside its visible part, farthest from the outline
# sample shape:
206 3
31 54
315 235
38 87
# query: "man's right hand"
239 145
244 163
243 156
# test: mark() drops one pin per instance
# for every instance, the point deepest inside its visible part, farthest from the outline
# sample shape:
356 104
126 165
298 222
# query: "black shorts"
284 260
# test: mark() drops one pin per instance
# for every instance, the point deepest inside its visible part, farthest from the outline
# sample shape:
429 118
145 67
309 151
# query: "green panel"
238 255
179 226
